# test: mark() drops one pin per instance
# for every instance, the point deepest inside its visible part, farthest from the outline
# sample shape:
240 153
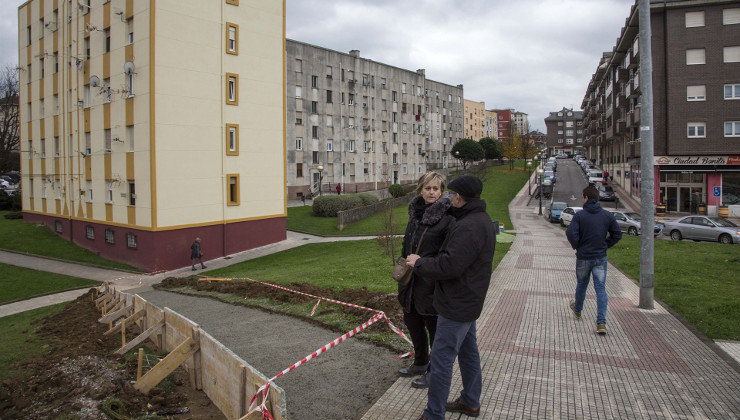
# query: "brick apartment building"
564 132
504 120
696 93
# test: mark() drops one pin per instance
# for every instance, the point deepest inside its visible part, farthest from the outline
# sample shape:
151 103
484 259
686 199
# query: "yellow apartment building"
148 123
475 119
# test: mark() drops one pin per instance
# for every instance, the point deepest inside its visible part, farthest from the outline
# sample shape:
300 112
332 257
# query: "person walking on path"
587 234
196 253
462 273
339 189
427 229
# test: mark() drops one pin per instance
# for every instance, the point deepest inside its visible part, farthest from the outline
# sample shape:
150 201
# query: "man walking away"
196 253
587 234
461 272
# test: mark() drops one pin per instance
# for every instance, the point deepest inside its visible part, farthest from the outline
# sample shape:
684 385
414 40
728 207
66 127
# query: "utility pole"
647 181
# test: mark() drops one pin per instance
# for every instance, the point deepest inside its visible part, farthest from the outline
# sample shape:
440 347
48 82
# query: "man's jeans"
453 339
584 270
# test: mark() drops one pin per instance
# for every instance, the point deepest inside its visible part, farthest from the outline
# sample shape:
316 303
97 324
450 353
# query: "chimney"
354 53
421 72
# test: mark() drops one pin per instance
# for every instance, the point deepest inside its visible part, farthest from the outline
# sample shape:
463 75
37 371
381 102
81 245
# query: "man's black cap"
467 186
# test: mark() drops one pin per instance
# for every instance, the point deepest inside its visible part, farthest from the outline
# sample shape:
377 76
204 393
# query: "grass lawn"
697 280
20 342
21 283
500 187
38 239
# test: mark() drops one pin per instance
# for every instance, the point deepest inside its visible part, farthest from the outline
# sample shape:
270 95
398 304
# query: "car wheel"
632 231
725 239
676 235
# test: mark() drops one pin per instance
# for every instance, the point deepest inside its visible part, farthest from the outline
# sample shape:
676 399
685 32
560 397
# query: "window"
131 240
568 132
694 19
109 192
131 193
299 143
88 149
351 145
41 66
314 157
56 62
232 38
729 17
232 89
89 191
351 99
298 65
696 129
28 35
314 107
314 81
106 48
731 54
130 135
395 158
328 97
695 56
732 91
58 226
560 140
90 232
232 139
696 93
232 189
106 84
43 148
314 131
233 2
364 146
109 237
108 140
403 87
329 146
130 31
560 131
394 96
328 72
299 117
405 170
130 84
298 170
569 124
56 146
732 128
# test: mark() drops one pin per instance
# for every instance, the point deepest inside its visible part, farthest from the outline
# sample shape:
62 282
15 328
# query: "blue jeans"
584 270
453 339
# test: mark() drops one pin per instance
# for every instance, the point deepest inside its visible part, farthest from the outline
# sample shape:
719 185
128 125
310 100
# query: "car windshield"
548 173
559 206
606 189
634 216
722 222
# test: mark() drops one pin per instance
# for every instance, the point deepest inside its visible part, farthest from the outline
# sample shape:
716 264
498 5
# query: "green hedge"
368 199
396 190
329 205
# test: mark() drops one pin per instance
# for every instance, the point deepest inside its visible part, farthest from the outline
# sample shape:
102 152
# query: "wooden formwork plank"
112 305
113 316
106 298
101 298
129 320
166 365
140 338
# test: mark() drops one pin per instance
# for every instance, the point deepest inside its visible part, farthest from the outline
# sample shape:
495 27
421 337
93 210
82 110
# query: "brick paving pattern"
540 362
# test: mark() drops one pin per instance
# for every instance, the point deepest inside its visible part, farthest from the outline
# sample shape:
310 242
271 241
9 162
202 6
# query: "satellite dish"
128 67
94 81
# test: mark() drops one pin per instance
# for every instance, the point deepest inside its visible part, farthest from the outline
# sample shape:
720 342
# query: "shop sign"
696 160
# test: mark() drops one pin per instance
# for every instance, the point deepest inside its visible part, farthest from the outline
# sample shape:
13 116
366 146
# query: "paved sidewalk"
539 362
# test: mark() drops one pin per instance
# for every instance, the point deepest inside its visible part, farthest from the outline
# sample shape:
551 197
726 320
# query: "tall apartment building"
564 132
475 119
504 120
491 124
363 124
696 114
145 124
520 122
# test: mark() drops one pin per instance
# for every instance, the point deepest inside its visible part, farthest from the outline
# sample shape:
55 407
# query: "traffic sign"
717 191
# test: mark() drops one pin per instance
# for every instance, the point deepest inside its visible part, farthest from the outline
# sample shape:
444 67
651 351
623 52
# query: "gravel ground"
340 384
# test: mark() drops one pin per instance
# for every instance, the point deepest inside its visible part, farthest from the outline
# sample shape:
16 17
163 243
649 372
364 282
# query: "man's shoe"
573 308
601 329
193 268
458 407
422 381
423 418
202 266
413 370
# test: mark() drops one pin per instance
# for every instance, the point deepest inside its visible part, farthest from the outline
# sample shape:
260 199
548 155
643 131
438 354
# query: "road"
570 183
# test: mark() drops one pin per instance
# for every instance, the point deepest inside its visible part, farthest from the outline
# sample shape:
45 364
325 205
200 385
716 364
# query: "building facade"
564 132
475 120
491 124
145 124
520 122
361 124
504 120
696 114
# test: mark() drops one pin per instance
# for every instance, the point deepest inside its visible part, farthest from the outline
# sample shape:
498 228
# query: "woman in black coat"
428 217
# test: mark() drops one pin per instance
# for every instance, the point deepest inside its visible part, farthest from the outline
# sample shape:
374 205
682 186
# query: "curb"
52 293
28 254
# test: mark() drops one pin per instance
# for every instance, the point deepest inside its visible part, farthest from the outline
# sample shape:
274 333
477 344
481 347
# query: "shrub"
14 215
329 205
10 202
396 190
368 199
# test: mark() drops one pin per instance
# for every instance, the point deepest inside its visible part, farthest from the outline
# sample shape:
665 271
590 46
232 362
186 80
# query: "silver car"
631 223
703 228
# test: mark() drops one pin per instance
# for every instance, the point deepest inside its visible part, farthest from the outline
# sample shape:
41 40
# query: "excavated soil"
78 373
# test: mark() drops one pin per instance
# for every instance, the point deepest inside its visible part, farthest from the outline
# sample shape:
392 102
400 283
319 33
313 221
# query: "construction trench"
341 383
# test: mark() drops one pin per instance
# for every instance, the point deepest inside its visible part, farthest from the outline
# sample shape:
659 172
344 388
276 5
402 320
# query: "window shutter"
694 93
695 56
694 19
731 16
732 54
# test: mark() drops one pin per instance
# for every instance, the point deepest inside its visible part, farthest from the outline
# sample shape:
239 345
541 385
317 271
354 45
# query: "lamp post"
457 156
529 178
320 169
540 172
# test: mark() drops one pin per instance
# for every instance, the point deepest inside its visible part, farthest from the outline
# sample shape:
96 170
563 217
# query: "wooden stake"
141 361
167 365
123 332
110 324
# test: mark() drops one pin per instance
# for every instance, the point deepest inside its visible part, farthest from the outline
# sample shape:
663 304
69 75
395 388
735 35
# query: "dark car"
606 193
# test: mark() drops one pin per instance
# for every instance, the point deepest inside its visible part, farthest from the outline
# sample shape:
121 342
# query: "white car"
567 215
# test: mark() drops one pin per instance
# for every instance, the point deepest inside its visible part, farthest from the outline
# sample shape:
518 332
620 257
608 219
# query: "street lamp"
540 172
529 178
321 169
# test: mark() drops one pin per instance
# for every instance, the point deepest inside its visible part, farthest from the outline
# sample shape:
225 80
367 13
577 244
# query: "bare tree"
526 146
9 119
387 238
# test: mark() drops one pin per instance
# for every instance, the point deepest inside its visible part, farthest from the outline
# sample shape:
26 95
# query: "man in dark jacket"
461 272
196 254
587 234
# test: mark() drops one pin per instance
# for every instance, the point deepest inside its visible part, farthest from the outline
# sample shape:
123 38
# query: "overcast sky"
532 55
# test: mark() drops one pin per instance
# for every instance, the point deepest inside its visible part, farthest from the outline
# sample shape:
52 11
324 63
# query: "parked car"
595 180
703 228
606 193
567 215
631 223
549 175
555 209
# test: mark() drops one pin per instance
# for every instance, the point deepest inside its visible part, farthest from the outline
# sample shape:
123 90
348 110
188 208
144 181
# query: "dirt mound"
78 374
